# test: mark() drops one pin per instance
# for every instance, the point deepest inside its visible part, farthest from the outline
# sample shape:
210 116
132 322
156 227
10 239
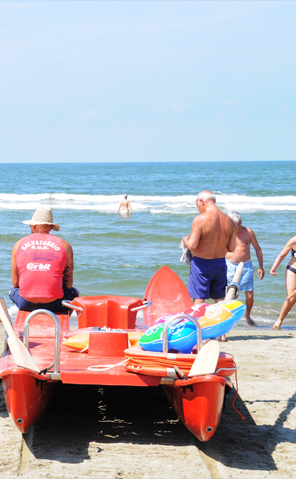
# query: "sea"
118 255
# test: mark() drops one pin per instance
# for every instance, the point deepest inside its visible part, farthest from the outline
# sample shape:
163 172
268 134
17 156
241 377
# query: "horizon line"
136 162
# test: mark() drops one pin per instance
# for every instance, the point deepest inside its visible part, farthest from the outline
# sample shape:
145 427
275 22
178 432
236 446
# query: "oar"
18 350
233 287
207 358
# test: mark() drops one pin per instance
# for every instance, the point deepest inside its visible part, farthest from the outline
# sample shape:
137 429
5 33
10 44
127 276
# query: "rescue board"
168 295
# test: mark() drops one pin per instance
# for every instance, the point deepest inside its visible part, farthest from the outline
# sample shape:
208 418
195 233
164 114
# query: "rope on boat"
157 364
243 418
105 367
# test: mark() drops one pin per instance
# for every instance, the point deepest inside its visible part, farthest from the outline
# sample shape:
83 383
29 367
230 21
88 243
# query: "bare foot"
251 322
277 325
223 338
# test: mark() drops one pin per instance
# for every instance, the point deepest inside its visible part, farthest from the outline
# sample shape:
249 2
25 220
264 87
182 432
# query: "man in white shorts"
245 237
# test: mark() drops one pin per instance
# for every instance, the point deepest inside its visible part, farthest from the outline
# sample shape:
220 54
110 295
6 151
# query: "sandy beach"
113 433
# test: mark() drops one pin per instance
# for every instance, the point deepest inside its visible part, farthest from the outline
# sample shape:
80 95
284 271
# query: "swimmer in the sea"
126 206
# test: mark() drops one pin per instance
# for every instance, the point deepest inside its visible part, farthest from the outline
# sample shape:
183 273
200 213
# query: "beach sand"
93 432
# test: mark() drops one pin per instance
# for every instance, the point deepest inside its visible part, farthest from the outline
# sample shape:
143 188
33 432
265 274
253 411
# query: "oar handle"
4 316
234 285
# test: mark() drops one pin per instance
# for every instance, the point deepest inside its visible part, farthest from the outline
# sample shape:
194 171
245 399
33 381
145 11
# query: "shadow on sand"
3 411
260 337
81 415
243 444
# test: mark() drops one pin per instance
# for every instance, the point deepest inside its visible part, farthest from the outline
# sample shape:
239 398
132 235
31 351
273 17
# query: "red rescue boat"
109 360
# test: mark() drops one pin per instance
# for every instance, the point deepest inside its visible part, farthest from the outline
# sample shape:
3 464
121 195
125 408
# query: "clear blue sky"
147 81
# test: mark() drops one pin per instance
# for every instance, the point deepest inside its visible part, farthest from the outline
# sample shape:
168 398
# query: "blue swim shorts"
246 282
207 278
54 306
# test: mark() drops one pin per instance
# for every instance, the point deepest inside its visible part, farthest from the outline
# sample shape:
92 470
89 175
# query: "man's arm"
191 242
14 268
69 268
258 251
232 242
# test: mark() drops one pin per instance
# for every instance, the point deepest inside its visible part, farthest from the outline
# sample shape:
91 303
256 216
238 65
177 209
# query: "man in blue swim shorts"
212 235
245 237
207 279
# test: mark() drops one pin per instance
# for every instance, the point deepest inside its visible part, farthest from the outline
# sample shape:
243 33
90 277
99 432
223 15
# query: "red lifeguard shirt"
41 260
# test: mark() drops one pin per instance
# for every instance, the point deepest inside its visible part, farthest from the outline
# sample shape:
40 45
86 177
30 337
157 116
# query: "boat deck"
74 367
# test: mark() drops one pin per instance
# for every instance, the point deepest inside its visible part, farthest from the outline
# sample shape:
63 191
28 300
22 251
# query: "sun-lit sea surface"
118 255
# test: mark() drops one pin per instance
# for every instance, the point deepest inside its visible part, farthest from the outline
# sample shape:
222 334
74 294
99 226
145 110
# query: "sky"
132 81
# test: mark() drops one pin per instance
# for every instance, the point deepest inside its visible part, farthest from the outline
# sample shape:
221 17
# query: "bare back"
212 234
126 206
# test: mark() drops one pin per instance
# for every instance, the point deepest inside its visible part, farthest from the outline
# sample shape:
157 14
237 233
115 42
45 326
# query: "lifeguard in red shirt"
42 267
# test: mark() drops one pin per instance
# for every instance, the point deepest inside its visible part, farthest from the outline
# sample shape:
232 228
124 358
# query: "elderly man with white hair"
42 267
245 237
212 236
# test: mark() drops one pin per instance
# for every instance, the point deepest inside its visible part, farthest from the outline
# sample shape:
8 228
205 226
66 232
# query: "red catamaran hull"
198 401
200 407
26 398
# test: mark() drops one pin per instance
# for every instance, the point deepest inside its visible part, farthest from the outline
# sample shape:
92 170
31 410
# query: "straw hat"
42 216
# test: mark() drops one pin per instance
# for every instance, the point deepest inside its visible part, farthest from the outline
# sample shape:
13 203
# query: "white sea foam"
184 204
12 311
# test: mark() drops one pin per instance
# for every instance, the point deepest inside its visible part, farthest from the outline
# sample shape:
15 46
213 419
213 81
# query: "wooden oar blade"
206 360
21 355
18 350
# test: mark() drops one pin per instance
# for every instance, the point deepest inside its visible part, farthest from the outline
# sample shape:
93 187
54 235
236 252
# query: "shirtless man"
212 235
290 279
126 205
245 237
42 267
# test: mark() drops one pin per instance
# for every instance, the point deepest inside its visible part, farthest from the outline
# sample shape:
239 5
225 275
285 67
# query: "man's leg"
218 286
20 302
70 294
198 301
199 283
249 304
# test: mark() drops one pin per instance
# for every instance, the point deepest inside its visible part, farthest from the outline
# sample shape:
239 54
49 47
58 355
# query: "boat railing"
57 334
68 304
165 343
145 304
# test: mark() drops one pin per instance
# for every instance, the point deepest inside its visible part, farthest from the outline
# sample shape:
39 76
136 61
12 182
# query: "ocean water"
118 255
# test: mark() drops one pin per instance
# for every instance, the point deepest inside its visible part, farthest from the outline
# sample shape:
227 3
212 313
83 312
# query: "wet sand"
128 433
